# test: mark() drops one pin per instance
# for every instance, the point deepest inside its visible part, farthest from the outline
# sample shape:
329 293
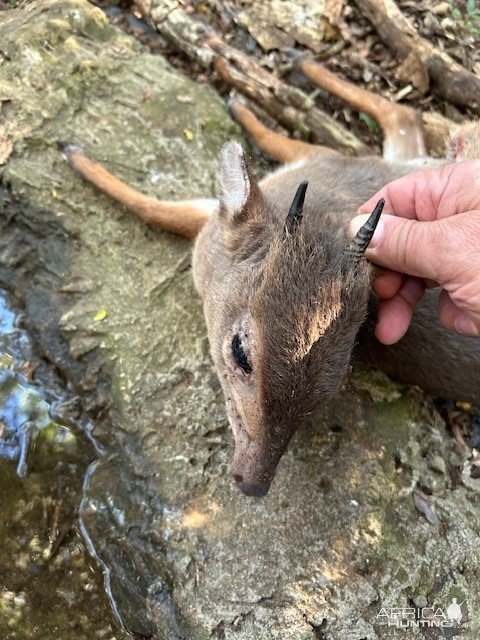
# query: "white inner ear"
234 181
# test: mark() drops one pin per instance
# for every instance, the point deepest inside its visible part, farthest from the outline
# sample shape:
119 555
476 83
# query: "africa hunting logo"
421 617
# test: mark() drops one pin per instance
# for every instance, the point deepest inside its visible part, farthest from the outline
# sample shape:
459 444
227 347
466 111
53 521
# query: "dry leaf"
100 315
413 70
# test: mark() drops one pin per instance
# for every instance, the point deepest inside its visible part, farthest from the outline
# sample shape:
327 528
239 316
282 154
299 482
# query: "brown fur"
294 301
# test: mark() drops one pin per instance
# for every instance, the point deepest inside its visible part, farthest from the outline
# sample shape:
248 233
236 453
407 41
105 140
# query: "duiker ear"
236 185
243 212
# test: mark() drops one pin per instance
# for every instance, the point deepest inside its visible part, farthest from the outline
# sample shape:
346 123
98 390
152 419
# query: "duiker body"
287 302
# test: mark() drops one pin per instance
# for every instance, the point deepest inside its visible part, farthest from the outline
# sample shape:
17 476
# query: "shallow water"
49 585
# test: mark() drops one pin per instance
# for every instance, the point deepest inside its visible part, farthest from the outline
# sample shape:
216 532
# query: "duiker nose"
250 488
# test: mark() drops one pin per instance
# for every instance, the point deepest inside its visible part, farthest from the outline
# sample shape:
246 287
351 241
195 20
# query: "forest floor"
349 45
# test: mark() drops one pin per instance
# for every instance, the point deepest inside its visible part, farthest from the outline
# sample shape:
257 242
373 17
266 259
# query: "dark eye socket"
239 354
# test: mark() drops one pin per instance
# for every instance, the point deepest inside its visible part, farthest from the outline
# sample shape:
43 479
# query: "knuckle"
404 247
416 248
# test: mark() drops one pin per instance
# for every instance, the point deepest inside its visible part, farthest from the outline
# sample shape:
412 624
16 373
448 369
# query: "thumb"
408 246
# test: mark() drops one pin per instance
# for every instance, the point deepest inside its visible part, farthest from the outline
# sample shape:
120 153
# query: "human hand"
433 239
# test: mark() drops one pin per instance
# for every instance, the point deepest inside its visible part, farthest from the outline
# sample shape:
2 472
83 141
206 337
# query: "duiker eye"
239 354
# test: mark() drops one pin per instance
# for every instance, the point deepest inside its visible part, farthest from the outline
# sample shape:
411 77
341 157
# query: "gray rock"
339 536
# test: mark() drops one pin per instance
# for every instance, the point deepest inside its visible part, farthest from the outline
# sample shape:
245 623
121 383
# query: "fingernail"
355 224
359 221
466 326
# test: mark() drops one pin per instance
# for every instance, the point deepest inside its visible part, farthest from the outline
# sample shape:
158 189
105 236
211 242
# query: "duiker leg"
185 218
402 126
274 144
465 142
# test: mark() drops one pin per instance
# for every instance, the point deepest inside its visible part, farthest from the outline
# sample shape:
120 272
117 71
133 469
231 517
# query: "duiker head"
284 301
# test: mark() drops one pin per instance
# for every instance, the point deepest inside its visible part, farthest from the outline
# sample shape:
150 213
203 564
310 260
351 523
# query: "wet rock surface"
49 585
110 303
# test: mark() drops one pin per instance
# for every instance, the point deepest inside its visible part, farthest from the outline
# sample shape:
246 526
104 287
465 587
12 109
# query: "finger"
394 315
387 283
454 318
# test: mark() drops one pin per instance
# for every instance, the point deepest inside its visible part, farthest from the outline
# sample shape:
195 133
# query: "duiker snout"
250 489
253 468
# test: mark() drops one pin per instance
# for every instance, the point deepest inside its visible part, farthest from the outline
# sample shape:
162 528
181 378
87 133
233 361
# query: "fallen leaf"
100 315
414 70
188 134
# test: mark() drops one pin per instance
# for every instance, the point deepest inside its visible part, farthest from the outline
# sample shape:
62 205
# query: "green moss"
374 382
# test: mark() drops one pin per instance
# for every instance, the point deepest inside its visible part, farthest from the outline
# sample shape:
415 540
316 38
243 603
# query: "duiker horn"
360 242
295 213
